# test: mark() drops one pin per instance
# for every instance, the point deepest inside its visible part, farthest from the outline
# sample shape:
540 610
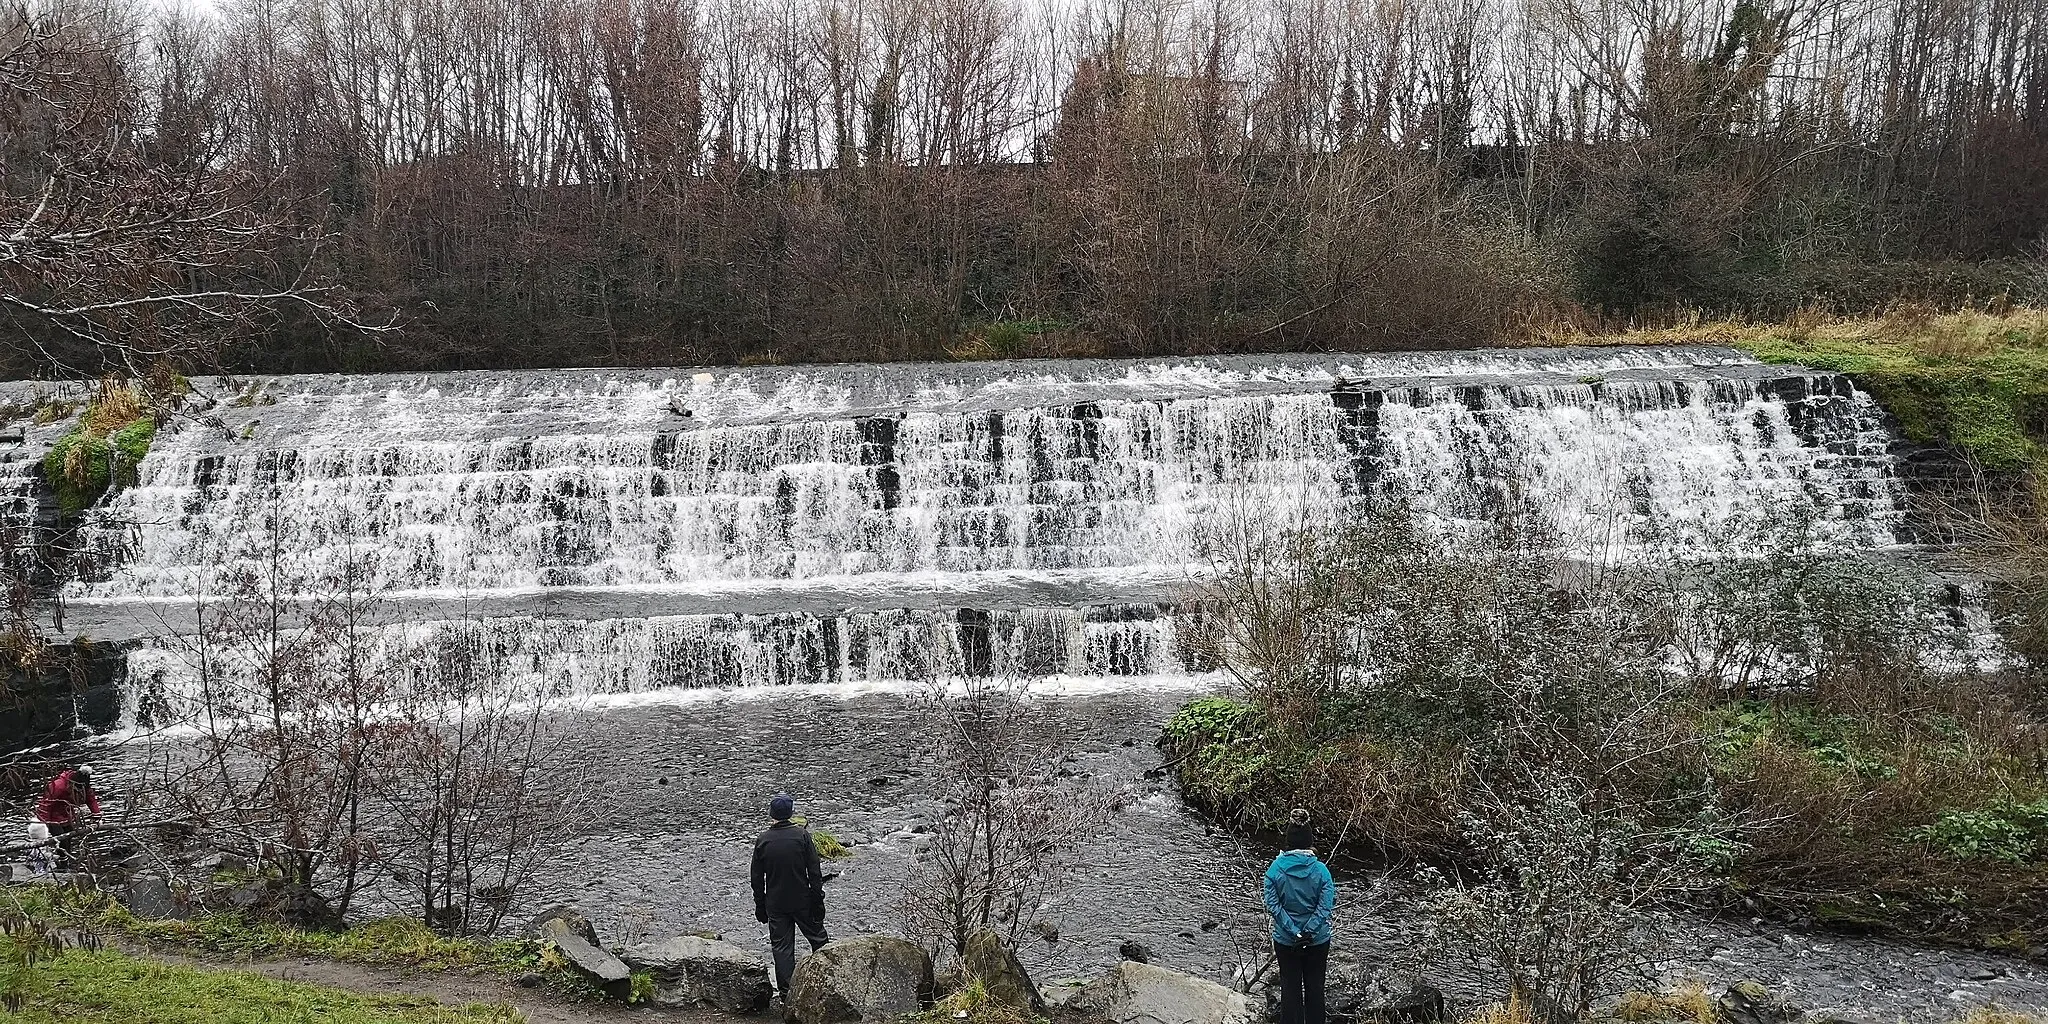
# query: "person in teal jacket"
1302 898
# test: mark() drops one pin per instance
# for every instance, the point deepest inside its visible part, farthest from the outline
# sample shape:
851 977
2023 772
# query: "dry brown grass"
1513 1011
1998 1015
1689 1003
118 404
1962 335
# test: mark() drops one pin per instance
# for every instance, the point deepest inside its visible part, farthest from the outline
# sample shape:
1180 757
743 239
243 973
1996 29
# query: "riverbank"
123 979
663 852
1975 380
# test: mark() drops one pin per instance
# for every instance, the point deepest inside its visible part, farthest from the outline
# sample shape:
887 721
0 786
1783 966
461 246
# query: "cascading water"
622 531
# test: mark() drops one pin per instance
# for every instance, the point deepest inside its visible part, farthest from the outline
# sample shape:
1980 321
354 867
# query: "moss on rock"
99 455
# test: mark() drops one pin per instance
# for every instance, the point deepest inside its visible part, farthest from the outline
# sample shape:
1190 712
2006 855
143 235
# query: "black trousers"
782 942
69 837
1301 982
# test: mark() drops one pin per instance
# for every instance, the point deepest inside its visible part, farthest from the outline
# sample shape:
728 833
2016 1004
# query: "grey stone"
608 972
1138 993
693 971
218 861
872 978
1375 999
1749 1002
568 917
151 898
991 961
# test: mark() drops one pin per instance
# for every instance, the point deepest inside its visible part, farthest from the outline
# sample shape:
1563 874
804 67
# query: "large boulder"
991 961
690 971
607 972
1135 993
872 978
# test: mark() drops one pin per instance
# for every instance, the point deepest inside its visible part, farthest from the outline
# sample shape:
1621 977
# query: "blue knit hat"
780 807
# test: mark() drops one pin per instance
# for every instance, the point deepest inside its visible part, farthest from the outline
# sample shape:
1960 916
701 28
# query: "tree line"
360 184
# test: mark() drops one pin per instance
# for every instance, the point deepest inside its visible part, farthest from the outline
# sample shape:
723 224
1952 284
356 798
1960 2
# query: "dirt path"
455 989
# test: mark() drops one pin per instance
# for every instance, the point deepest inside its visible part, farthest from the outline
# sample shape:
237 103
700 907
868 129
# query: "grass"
829 846
110 987
388 942
1976 380
101 453
1686 1004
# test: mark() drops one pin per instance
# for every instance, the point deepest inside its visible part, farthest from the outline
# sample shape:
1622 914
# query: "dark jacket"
787 879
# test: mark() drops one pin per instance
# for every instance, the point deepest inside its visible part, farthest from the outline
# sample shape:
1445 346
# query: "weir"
631 530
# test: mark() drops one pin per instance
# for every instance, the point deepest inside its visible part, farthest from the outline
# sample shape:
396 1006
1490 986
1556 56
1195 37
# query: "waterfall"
624 531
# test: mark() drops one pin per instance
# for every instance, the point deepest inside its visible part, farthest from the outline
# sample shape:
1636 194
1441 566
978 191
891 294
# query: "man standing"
789 888
69 797
1302 898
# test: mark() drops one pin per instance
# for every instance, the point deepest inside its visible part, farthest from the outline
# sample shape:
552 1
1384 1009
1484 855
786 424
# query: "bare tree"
119 247
998 857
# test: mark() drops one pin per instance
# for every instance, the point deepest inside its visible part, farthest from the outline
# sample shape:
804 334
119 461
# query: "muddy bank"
662 857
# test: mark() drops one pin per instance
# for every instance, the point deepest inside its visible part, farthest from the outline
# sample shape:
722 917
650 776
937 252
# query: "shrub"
101 453
2003 831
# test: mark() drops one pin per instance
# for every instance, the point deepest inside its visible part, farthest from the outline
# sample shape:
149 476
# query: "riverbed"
686 785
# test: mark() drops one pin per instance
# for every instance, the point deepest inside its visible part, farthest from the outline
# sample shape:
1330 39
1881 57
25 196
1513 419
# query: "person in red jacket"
69 797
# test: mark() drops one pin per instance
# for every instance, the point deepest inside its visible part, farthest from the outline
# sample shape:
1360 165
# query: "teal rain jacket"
1301 896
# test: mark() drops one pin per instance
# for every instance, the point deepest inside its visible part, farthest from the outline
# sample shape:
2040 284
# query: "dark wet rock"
570 918
692 971
1388 999
151 898
872 978
1135 952
55 879
991 961
1749 1002
218 861
1139 993
1375 999
607 972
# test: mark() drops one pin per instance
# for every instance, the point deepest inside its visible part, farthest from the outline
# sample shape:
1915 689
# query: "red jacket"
58 800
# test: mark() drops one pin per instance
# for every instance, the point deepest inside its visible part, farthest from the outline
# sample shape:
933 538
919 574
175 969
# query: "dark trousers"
1301 982
68 836
782 942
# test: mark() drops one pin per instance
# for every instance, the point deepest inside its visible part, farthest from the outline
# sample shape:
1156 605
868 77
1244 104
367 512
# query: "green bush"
84 465
2006 831
1831 740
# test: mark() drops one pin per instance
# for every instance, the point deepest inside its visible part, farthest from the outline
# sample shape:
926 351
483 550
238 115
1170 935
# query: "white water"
642 531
